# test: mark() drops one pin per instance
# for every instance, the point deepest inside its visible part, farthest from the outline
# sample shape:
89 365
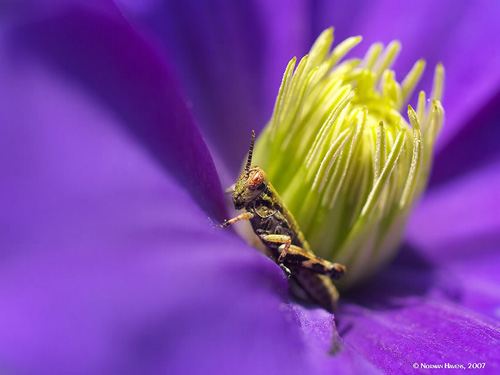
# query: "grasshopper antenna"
250 152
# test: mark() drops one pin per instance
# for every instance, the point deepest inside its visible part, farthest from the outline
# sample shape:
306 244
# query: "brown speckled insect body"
310 276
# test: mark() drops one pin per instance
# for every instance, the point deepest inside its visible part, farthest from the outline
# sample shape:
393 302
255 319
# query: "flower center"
344 159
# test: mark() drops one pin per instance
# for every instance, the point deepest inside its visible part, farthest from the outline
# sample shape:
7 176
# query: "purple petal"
109 266
457 226
230 57
423 331
418 311
112 268
460 210
475 146
129 76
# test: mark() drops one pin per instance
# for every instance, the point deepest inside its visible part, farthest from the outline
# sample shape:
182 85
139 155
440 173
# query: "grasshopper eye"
256 181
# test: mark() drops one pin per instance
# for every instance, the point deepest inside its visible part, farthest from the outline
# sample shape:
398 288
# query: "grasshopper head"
251 183
249 186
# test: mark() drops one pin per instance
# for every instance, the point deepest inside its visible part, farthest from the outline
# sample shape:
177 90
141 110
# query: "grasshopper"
310 276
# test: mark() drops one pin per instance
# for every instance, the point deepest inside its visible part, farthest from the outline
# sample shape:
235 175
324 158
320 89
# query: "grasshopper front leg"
243 216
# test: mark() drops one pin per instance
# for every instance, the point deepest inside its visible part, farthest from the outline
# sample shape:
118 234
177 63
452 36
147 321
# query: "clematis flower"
109 174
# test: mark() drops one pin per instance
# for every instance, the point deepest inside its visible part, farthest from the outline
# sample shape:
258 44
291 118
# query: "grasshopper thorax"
249 187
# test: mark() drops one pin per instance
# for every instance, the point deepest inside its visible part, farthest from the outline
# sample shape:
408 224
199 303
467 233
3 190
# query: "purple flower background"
120 122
